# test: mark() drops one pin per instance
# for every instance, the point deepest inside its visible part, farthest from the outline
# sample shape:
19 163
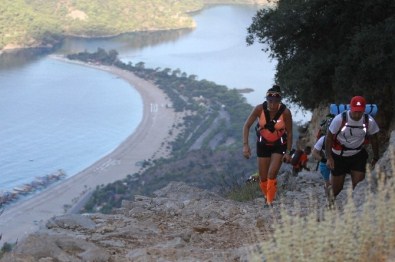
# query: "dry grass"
360 229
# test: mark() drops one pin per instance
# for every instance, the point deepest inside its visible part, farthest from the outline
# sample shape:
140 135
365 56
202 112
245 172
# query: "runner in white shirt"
344 144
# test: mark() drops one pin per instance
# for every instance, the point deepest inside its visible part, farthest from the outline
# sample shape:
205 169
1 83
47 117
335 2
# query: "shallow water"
61 116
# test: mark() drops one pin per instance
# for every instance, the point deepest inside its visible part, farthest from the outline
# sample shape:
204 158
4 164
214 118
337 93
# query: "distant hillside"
36 23
210 137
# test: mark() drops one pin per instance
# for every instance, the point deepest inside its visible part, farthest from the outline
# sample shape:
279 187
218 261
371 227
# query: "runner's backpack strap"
345 124
271 122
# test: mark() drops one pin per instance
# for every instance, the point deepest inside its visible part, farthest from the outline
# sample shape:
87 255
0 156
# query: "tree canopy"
329 51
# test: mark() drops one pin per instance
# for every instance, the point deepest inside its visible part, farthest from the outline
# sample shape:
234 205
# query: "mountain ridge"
38 23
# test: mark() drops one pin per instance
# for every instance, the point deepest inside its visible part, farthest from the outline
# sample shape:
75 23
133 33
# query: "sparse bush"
235 186
7 247
360 230
246 192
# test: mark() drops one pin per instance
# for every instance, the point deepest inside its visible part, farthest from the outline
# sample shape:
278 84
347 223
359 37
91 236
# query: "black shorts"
344 164
265 150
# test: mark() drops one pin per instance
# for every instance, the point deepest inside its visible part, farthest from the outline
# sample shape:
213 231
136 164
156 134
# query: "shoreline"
15 48
148 141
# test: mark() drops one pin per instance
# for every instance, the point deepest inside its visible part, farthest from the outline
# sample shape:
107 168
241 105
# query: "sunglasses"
273 97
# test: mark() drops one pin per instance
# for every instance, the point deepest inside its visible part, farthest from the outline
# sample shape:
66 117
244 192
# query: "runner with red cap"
345 141
358 104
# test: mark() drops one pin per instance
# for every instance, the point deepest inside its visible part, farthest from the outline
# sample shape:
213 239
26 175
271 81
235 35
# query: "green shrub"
7 247
246 192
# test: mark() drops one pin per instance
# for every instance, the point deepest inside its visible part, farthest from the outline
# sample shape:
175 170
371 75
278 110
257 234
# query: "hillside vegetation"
330 51
34 23
210 138
30 22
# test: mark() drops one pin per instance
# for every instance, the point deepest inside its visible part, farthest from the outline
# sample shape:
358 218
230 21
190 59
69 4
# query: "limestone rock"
180 223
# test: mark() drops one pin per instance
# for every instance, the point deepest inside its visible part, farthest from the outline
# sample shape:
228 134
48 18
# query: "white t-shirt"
352 137
319 145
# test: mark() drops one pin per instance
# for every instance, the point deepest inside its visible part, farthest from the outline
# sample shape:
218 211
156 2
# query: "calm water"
55 115
216 50
63 121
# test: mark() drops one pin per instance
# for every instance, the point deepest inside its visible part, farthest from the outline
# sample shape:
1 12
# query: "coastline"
149 141
14 48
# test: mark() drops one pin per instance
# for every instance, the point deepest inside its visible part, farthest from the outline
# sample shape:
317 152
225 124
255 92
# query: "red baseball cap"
358 104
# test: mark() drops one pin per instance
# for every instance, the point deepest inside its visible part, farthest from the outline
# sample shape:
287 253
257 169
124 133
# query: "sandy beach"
149 141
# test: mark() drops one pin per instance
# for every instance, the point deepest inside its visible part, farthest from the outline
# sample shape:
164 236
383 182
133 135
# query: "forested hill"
35 23
330 51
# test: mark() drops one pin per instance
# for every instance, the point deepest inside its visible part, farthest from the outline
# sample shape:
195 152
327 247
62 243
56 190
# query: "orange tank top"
279 128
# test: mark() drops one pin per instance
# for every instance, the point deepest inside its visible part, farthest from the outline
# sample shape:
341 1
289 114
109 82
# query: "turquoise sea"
56 115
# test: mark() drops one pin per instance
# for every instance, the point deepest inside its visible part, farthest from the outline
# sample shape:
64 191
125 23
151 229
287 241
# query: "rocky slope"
179 223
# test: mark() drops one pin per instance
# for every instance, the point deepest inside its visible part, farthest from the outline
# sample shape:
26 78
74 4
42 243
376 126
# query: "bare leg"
337 184
263 167
356 177
327 183
268 169
275 164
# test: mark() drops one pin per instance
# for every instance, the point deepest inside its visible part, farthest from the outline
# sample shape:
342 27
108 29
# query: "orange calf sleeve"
263 186
271 190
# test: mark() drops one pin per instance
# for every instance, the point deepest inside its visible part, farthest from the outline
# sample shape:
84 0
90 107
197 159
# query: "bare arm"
246 129
316 154
328 150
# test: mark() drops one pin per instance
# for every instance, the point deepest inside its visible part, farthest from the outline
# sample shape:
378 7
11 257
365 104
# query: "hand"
330 163
287 158
246 151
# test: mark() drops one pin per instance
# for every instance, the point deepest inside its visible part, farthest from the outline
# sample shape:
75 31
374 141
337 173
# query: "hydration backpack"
336 109
370 109
270 123
365 126
324 125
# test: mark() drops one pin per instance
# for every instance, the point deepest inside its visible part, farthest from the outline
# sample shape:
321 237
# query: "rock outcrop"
180 223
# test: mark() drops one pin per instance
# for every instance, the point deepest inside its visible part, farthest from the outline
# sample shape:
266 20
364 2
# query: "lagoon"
56 115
